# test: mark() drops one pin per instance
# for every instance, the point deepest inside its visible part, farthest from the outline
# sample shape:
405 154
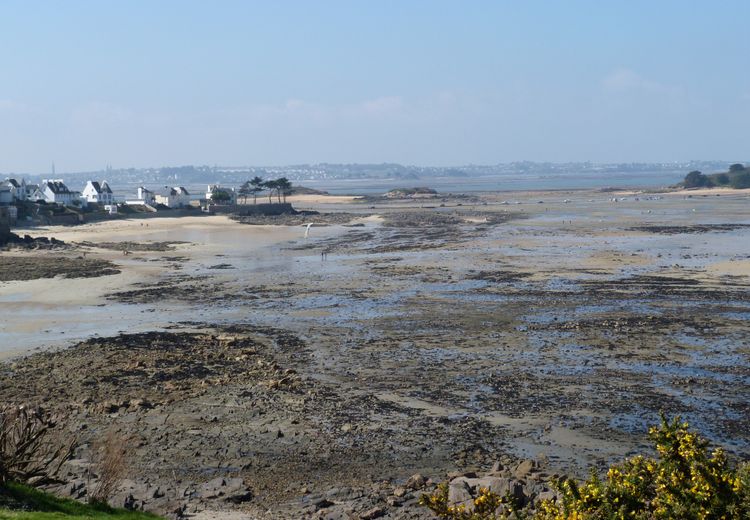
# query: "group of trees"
280 187
738 176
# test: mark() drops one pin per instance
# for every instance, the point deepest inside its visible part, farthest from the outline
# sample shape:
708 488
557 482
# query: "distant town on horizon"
328 171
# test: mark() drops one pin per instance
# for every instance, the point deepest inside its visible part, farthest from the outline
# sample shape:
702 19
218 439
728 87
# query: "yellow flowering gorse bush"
686 481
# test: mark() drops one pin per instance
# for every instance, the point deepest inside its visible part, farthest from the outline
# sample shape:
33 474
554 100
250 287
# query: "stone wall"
252 209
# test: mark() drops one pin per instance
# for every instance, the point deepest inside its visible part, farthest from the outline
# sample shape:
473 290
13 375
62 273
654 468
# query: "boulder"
459 492
548 495
415 482
524 468
497 467
371 514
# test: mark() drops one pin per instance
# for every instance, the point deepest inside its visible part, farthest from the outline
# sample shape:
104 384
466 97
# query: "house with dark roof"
17 188
55 191
98 193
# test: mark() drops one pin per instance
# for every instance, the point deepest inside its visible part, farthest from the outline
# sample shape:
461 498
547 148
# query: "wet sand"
442 335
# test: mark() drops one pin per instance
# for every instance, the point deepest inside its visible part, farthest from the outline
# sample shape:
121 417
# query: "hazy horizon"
420 83
708 166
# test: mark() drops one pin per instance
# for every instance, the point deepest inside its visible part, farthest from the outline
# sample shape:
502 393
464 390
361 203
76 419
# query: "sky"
142 83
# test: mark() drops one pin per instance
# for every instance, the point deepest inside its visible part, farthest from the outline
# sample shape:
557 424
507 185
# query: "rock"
497 467
532 489
394 501
416 481
371 514
399 491
524 468
228 489
547 495
500 486
323 504
110 407
130 503
77 489
179 511
542 459
140 403
343 494
239 496
459 493
459 474
335 513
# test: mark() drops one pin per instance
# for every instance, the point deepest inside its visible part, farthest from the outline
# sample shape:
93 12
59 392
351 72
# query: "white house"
176 197
98 193
31 190
55 191
145 195
17 188
183 197
215 188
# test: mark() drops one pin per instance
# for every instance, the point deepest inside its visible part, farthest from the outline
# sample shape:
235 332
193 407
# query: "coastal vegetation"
221 196
281 187
686 480
29 457
251 187
21 502
738 177
26 455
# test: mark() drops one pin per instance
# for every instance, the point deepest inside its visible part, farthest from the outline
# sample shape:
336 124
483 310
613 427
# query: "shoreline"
317 201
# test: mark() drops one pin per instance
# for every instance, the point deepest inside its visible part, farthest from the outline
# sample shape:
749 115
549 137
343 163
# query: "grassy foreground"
19 502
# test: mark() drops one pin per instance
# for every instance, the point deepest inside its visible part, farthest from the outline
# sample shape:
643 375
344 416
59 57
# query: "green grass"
19 502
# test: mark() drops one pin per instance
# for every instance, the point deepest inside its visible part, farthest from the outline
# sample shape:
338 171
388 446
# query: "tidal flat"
416 336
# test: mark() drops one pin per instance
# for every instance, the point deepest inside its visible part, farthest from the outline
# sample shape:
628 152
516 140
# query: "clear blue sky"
149 83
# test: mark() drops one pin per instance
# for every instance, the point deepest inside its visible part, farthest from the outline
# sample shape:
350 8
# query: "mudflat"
415 336
50 265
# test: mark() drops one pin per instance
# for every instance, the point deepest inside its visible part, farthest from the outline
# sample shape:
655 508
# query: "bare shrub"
111 464
27 454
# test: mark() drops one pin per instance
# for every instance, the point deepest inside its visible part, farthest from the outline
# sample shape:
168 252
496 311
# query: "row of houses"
178 196
55 191
171 197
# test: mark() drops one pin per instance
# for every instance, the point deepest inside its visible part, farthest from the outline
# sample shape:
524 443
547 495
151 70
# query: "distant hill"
410 193
302 190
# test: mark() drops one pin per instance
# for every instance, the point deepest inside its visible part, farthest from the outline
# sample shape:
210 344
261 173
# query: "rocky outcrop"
524 482
10 239
221 419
